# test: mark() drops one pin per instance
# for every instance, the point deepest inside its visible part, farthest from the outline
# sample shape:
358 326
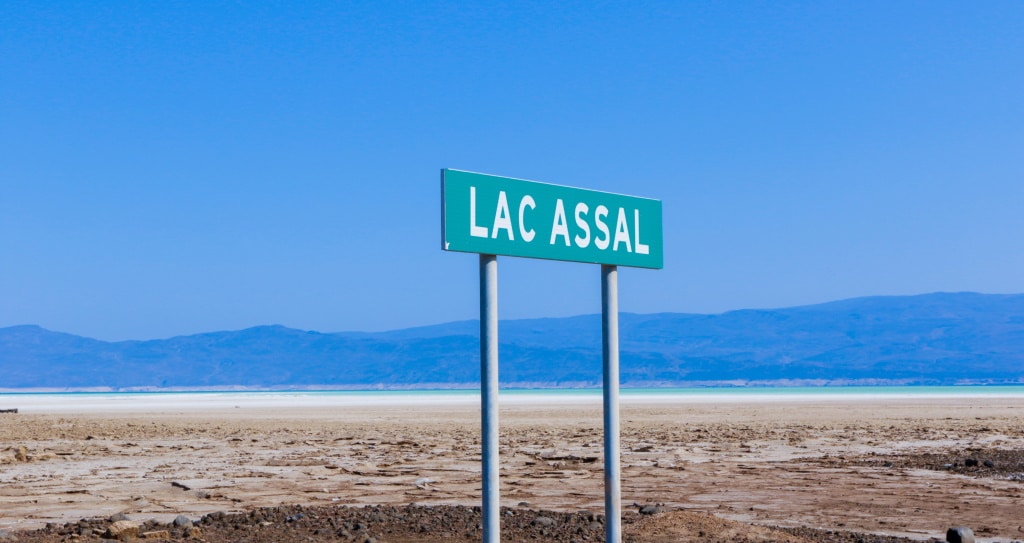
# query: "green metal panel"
495 215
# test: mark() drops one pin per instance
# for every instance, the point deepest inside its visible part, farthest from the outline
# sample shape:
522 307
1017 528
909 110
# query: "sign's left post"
489 396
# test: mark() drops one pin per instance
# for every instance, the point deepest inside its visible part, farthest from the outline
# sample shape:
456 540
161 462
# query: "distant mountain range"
942 338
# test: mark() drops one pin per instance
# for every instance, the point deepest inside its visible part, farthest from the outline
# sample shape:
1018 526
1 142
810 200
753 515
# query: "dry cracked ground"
852 472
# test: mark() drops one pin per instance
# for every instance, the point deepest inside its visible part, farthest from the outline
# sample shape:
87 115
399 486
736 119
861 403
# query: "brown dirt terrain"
417 523
777 471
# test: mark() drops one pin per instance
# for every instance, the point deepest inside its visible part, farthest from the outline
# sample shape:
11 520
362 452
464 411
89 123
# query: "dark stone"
181 521
544 522
215 516
971 462
988 464
651 509
960 534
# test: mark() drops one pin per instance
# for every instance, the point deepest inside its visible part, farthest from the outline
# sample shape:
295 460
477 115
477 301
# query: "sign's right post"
610 353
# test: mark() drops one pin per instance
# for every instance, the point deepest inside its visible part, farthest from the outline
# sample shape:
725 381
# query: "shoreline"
214 401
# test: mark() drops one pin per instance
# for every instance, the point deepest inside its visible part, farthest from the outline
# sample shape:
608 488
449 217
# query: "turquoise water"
960 390
896 391
199 401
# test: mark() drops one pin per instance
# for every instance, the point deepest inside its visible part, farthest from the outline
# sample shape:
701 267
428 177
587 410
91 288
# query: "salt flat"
848 463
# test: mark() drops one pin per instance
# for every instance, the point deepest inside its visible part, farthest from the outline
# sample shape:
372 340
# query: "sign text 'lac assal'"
495 215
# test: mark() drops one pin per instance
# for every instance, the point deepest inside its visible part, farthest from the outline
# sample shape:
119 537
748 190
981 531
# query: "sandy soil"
866 466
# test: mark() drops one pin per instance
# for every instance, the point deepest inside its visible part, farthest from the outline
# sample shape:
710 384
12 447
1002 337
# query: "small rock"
294 518
158 534
122 530
960 534
544 522
21 455
181 521
988 464
118 517
651 509
971 462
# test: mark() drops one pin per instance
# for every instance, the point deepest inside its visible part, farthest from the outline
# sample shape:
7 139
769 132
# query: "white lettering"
474 230
527 201
601 242
621 232
502 220
581 211
641 248
559 227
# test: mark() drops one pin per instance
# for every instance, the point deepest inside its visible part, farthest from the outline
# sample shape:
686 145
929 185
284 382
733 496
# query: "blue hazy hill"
941 338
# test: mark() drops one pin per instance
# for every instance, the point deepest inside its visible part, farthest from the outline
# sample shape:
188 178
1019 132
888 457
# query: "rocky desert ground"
845 470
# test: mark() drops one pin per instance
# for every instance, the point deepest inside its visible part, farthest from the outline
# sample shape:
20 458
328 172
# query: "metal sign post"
489 395
491 216
610 352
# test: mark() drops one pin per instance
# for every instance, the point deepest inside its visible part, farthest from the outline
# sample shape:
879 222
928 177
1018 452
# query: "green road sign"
494 215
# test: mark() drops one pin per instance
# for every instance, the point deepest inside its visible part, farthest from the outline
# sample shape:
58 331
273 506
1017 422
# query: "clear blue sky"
173 168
